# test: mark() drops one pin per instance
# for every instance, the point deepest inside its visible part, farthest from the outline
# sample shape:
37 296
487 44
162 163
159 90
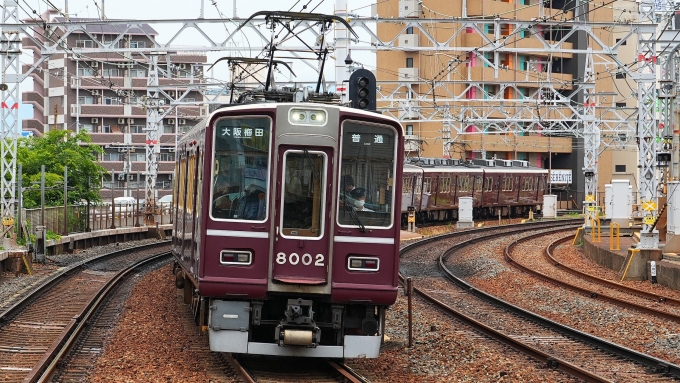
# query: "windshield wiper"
354 214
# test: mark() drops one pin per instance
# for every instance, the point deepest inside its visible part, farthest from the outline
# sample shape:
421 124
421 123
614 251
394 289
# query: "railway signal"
362 90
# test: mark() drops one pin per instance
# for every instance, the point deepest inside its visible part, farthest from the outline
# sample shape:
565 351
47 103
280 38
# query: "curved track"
579 354
595 287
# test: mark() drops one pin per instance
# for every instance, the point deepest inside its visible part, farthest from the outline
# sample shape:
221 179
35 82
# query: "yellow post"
625 272
580 229
594 221
614 229
28 267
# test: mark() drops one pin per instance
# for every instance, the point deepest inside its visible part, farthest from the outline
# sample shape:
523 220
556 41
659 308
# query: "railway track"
579 354
264 369
594 287
43 323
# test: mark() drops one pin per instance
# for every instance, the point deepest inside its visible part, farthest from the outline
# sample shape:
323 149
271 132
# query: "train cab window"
303 193
240 175
507 183
368 158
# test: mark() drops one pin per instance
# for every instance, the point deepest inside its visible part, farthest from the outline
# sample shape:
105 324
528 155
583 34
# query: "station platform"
630 262
14 258
407 235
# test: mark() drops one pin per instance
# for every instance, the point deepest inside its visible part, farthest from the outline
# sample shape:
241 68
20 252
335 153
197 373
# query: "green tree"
56 149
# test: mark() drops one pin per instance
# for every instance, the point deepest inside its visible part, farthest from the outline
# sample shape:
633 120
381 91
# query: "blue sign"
26 134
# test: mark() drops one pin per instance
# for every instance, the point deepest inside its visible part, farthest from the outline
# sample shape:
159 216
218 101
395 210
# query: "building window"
409 62
620 104
83 72
137 73
409 30
112 101
107 42
623 43
86 100
409 130
137 129
86 127
106 129
111 157
167 129
84 44
137 44
619 168
620 74
111 72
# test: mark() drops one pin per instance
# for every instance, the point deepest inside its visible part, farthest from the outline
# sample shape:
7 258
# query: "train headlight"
307 117
355 263
236 257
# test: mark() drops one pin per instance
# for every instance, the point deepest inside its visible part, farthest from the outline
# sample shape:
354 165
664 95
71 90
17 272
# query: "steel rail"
578 289
58 276
646 294
658 364
48 363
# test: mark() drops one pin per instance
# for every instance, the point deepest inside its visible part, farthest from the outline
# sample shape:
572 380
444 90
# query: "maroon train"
273 254
433 187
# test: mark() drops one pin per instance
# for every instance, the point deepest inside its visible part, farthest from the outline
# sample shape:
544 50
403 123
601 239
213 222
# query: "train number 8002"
305 259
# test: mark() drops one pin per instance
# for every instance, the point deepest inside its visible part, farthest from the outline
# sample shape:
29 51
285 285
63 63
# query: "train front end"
299 250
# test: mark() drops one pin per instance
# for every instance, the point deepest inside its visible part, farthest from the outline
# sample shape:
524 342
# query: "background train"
272 251
434 186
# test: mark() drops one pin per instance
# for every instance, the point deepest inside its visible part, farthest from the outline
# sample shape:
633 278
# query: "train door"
301 246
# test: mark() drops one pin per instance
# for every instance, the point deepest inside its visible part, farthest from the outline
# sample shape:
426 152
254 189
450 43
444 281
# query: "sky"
191 9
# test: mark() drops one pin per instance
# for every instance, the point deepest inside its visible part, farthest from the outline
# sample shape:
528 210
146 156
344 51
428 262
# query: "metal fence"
83 218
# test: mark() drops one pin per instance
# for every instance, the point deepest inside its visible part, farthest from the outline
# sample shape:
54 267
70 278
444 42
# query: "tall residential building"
473 87
104 93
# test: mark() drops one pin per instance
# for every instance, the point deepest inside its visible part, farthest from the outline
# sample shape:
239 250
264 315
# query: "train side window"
427 185
240 175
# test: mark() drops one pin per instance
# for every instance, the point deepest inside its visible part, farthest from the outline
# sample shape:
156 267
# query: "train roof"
431 165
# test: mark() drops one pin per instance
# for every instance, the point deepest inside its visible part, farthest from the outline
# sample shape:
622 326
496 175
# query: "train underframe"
446 215
286 325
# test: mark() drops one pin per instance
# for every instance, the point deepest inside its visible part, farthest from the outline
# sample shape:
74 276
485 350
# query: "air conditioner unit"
182 121
94 120
95 93
121 120
182 66
171 122
131 177
131 120
171 150
170 176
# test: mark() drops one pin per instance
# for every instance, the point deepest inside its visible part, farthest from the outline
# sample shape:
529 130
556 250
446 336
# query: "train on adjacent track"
274 252
433 188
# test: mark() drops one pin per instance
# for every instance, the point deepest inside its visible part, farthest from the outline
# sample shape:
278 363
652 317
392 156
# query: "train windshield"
366 175
241 169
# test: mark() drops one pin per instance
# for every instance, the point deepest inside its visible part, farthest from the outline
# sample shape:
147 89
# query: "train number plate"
304 259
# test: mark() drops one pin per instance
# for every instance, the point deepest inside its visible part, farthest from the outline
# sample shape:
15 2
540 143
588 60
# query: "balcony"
33 125
35 99
490 7
511 142
408 74
411 143
409 42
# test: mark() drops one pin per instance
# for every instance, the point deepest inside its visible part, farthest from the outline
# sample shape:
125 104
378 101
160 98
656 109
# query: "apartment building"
104 93
511 92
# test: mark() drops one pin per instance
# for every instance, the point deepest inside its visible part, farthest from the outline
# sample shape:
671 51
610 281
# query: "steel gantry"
9 116
553 106
651 15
